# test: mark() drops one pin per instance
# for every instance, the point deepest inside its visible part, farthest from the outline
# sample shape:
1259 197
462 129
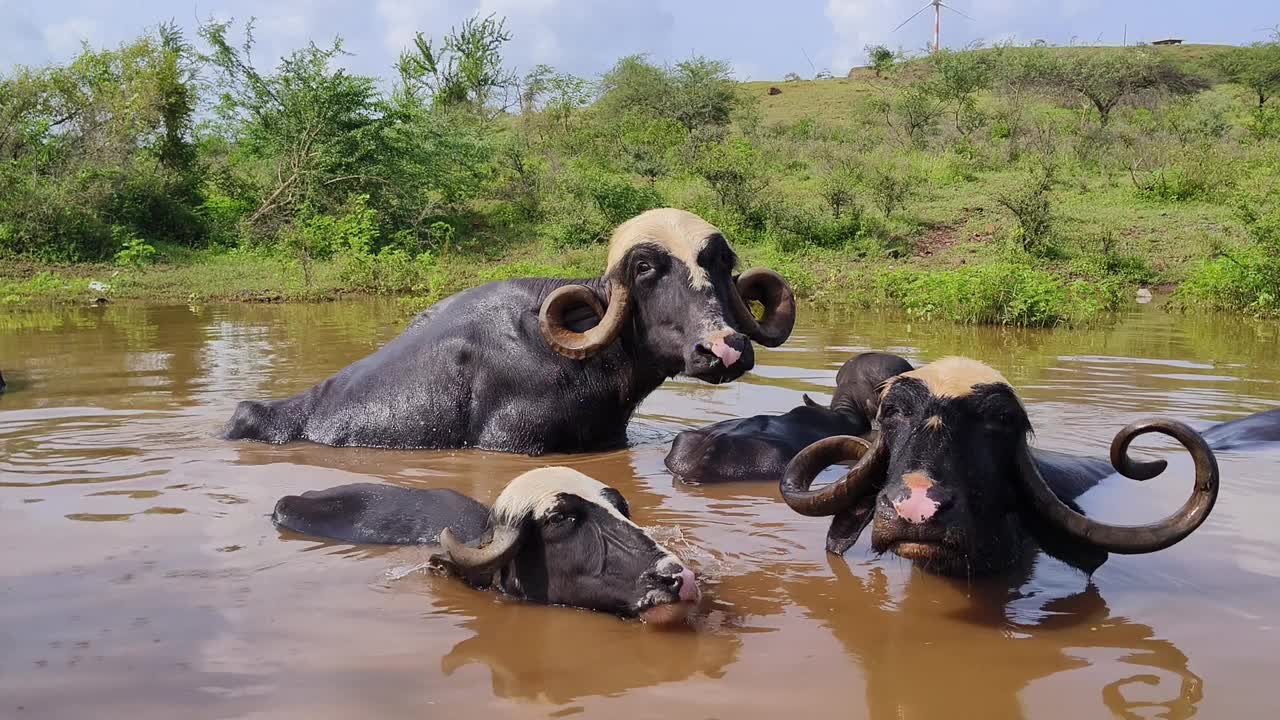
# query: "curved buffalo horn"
769 289
492 554
1132 540
861 479
582 345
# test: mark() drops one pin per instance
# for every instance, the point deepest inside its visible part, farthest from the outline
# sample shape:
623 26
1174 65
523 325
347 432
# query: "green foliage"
697 93
892 187
134 251
881 57
1257 68
299 179
1028 202
1105 257
733 170
1102 79
912 113
1246 279
99 142
1000 293
464 71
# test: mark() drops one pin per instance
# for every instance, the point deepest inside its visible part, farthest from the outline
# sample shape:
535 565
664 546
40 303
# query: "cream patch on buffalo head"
680 233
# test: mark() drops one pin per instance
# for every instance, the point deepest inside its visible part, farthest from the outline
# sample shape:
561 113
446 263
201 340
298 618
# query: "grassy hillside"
1017 185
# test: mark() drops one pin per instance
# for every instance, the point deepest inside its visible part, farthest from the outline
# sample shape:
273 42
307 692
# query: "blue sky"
762 39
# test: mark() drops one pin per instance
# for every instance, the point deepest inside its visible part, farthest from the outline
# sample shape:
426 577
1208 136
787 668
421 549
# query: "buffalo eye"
889 411
557 519
643 268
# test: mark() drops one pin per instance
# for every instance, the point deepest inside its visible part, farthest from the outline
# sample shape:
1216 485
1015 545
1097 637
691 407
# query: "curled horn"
1132 540
496 552
862 478
582 345
769 289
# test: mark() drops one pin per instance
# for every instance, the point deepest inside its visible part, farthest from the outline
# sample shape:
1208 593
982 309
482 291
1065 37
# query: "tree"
557 94
1106 77
912 112
705 93
466 70
312 129
100 149
881 57
696 93
1257 68
958 78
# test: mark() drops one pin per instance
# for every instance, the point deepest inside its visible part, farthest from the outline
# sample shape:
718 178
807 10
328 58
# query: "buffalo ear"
808 401
616 499
1057 544
848 524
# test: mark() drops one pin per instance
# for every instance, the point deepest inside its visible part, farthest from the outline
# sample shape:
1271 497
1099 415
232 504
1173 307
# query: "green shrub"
997 294
1244 280
1028 202
733 170
1103 257
134 251
891 187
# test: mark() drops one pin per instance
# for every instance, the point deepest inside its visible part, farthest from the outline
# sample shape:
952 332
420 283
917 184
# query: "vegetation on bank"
1021 185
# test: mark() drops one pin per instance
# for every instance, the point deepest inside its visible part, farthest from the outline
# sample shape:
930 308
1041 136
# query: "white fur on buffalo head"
679 232
533 494
560 537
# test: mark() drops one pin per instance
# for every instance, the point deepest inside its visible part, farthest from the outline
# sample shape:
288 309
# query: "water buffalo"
951 484
759 447
539 365
553 536
1255 429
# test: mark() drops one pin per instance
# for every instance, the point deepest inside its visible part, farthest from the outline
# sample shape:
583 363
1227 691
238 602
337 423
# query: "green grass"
951 251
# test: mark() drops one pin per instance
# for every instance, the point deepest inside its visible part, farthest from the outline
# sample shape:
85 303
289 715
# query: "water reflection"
542 654
938 645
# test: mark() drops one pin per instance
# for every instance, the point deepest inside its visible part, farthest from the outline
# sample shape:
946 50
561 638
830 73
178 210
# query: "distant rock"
775 90
1144 296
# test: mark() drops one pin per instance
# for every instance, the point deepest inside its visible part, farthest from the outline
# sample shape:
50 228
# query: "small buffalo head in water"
670 279
558 537
950 482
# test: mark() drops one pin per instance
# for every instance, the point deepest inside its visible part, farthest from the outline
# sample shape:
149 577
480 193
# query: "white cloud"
858 23
64 38
402 18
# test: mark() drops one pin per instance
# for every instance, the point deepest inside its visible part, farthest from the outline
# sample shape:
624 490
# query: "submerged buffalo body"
951 483
759 447
541 365
553 536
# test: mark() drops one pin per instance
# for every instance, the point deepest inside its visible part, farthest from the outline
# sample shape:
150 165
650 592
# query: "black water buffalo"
759 447
553 536
1263 427
950 481
539 365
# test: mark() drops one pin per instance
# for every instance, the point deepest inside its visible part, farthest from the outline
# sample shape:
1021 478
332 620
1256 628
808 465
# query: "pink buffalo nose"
689 592
917 506
727 354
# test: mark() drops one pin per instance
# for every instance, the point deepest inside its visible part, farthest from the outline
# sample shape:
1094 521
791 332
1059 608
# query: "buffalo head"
950 482
558 537
670 279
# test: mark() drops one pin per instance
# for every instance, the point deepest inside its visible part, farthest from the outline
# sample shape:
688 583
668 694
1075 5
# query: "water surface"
140 576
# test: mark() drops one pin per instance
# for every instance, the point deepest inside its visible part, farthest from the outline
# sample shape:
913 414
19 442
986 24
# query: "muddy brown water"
141 578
